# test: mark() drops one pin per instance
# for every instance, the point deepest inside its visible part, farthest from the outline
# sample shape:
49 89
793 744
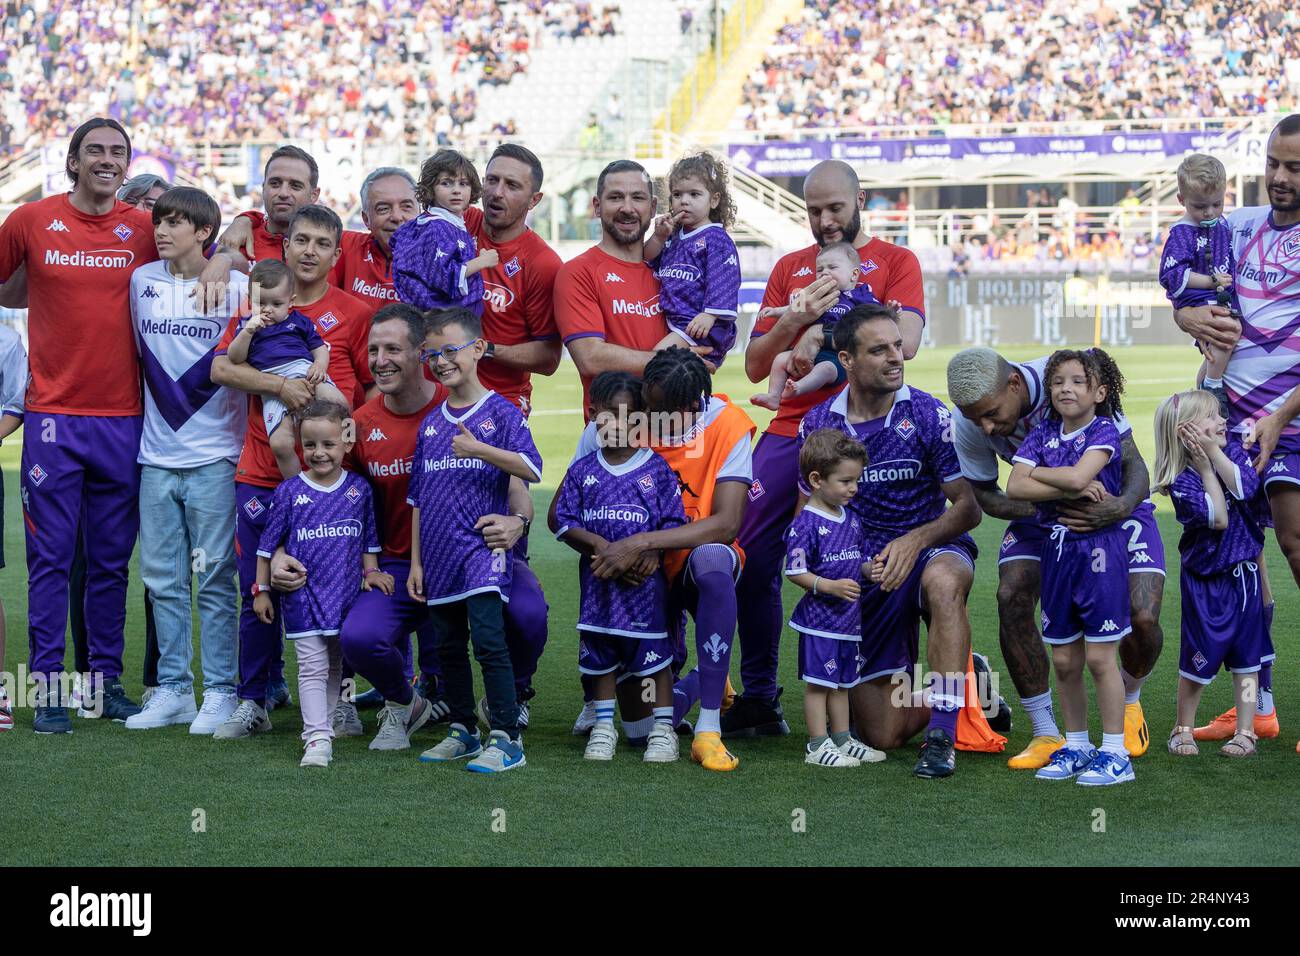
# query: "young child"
13 391
436 264
823 555
696 261
467 449
841 262
612 493
280 340
1212 484
1075 453
1196 264
324 517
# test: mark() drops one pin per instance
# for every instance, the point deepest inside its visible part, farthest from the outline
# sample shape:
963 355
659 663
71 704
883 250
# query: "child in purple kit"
841 262
1196 264
617 491
325 518
280 340
436 264
1223 590
466 451
823 555
1075 453
695 260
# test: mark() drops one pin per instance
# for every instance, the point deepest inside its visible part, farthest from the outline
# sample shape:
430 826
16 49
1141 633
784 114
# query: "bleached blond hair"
976 373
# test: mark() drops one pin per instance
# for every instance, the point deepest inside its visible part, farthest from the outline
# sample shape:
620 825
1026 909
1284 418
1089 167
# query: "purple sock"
710 567
685 693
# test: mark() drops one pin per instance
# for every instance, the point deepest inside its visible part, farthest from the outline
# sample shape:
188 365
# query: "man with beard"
1262 374
835 203
291 180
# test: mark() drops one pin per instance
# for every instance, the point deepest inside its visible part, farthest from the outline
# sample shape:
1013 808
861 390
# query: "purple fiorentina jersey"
429 257
287 341
616 502
326 529
1048 446
860 294
819 543
910 455
1204 550
699 271
1203 249
453 493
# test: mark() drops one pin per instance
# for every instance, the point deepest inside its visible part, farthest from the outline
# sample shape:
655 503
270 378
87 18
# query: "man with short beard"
290 181
835 202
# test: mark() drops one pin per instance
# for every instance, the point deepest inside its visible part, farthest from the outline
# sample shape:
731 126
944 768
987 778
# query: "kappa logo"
370 256
301 500
613 277
732 261
1109 626
1202 242
830 667
1139 557
512 267
1277 467
353 493
376 435
646 482
755 490
460 243
823 530
1170 262
589 481
254 508
716 647
150 293
56 225
905 429
487 427
650 658
1199 660
1053 443
123 231
805 271
327 321
429 431
37 474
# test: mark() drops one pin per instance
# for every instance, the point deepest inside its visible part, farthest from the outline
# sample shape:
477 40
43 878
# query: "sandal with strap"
1242 744
1182 743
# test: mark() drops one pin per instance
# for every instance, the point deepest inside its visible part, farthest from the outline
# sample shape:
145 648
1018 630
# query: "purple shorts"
720 338
1146 552
607 653
891 620
1283 469
1223 623
1085 588
827 662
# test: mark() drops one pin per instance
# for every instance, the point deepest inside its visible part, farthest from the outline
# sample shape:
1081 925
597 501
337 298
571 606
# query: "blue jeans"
187 530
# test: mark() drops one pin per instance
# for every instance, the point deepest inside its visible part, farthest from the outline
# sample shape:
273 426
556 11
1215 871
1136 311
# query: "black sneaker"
114 704
1001 720
755 717
52 720
938 756
439 709
370 700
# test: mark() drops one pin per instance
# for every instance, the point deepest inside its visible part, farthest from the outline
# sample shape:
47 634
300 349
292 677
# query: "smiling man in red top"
290 181
835 201
311 248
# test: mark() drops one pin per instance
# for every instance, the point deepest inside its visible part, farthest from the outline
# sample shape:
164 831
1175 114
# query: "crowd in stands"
856 63
389 70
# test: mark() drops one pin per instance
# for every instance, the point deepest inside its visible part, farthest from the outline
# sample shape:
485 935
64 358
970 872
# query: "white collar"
639 458
437 212
468 412
343 476
829 517
840 405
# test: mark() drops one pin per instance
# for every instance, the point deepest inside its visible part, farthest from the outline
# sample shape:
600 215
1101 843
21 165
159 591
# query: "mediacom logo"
624 307
94 259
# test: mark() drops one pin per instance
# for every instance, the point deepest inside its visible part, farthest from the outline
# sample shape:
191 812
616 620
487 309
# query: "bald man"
835 202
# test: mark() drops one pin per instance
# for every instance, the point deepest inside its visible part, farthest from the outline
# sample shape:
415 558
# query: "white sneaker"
216 710
661 745
586 719
601 743
347 722
397 723
166 706
828 755
855 748
318 752
147 693
246 719
81 695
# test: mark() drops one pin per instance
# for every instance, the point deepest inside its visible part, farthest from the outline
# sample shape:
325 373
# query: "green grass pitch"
106 796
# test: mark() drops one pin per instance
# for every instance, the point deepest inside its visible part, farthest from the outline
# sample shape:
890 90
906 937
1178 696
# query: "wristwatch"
527 522
257 589
490 351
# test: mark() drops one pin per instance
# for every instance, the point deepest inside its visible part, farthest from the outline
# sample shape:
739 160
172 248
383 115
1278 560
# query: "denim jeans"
187 531
478 620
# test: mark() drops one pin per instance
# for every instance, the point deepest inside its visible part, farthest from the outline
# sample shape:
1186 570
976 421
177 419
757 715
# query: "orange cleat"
708 750
1225 725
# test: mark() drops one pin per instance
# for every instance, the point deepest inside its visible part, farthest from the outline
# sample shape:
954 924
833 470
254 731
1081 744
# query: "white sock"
710 722
1263 704
638 729
1132 686
605 712
1040 714
662 715
1078 740
1208 382
1114 744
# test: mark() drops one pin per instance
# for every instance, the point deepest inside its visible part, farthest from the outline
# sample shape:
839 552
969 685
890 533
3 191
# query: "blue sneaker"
370 700
1067 763
501 754
277 695
52 720
1107 769
458 743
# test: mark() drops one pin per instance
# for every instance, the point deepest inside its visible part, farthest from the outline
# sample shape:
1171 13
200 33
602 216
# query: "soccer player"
706 441
607 299
311 248
83 408
1000 401
835 202
13 384
916 509
192 434
325 518
290 180
466 453
1262 374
